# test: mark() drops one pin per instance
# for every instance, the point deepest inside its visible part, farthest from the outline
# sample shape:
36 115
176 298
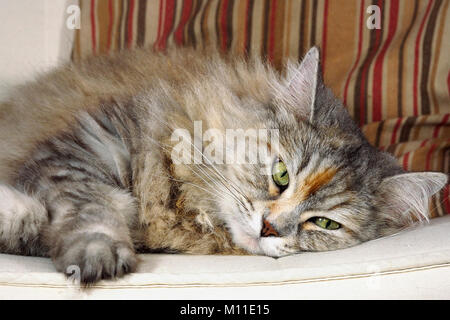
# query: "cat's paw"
97 257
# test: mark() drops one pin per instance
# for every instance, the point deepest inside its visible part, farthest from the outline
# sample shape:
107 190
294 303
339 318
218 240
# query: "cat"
102 158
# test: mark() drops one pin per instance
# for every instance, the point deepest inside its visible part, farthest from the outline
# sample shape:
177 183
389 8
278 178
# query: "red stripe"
430 153
223 25
160 18
378 69
93 28
168 22
372 53
358 56
424 142
446 198
416 60
110 23
272 18
324 35
448 82
130 24
438 127
185 14
247 8
394 133
405 161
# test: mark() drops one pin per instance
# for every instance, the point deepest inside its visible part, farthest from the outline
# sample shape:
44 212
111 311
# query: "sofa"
413 264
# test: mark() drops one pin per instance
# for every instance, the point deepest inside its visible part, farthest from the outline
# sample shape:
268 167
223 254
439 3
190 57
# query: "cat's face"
324 187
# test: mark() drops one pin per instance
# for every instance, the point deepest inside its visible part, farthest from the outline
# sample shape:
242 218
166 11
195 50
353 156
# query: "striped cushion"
394 80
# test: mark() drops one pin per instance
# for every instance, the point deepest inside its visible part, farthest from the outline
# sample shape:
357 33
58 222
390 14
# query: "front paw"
97 256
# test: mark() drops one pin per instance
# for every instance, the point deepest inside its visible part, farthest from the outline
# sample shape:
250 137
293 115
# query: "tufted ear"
405 196
301 83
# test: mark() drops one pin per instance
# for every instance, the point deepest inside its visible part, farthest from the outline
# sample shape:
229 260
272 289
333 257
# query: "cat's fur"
88 175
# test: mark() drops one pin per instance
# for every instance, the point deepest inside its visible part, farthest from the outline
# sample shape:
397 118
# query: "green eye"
326 223
280 175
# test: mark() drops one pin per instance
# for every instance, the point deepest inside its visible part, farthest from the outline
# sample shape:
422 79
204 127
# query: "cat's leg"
22 219
90 229
84 180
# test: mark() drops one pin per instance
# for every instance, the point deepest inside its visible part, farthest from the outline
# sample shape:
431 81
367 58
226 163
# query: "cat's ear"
405 196
301 83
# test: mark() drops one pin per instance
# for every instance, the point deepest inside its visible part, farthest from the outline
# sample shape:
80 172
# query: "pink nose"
268 230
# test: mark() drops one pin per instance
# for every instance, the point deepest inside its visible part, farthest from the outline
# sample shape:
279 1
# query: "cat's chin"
250 244
274 247
270 246
243 239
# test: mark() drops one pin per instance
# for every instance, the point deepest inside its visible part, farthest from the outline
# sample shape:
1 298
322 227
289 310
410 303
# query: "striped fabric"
395 80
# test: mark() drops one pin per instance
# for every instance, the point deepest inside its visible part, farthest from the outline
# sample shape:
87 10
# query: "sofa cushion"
414 263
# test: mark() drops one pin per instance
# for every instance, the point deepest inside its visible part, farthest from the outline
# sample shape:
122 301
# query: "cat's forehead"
326 143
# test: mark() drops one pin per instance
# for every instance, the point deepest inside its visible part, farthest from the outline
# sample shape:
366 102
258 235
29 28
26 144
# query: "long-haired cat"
133 151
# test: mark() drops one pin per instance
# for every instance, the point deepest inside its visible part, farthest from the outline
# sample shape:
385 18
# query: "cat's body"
49 132
88 174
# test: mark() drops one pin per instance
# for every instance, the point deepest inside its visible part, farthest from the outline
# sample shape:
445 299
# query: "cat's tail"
22 219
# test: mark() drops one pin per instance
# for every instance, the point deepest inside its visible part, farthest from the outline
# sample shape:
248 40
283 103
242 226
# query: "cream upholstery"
413 264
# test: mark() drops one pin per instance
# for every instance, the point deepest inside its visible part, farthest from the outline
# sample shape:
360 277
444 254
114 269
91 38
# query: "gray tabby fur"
88 177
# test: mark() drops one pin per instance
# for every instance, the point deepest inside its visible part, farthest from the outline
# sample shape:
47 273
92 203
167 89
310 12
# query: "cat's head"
326 187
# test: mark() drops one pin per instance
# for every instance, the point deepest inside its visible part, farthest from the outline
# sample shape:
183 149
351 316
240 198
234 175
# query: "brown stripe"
301 49
249 18
239 32
126 22
103 21
120 11
312 37
265 28
406 129
401 59
342 23
190 39
229 30
287 26
357 101
426 59
279 35
365 67
378 135
142 9
217 24
76 51
436 60
368 91
204 24
391 148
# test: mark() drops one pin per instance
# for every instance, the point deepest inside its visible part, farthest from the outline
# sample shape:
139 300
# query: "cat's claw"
96 257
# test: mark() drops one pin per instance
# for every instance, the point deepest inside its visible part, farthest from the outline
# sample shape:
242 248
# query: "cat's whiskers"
160 144
236 188
218 174
198 150
194 185
230 192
